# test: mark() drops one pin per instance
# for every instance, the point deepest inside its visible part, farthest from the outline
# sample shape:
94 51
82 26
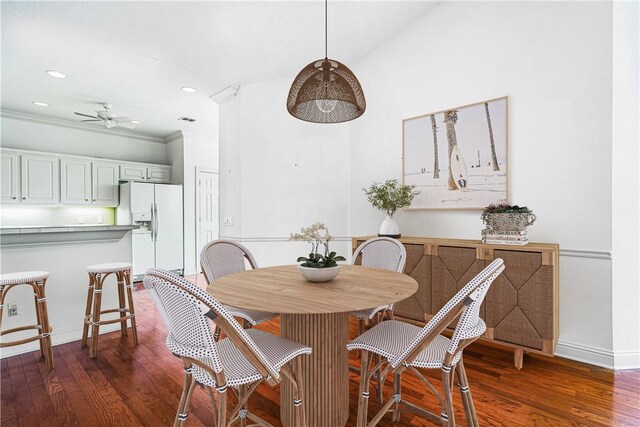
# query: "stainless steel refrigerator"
157 209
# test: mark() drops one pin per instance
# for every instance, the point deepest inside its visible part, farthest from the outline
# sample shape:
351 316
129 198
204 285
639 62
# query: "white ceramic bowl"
319 274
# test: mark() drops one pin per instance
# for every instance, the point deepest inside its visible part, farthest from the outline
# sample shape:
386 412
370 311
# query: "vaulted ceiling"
138 55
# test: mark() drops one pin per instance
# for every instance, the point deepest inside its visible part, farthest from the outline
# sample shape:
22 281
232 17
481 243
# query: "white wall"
626 191
57 138
279 174
553 60
198 153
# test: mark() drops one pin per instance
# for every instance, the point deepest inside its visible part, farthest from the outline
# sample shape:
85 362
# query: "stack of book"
506 237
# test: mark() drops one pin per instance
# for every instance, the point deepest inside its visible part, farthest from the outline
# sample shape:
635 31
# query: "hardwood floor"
129 385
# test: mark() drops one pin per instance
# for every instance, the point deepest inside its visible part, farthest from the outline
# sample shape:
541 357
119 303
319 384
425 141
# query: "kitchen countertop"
64 229
48 235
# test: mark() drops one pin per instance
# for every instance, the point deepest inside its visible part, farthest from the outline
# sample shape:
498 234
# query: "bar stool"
97 275
37 280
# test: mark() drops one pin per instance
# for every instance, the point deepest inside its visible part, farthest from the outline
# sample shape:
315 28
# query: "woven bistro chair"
403 347
223 257
240 362
386 254
383 253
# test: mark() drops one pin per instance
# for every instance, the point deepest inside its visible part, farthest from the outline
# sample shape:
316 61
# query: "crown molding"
28 117
173 136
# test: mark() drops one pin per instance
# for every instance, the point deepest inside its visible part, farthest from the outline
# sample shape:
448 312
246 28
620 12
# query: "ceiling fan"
109 119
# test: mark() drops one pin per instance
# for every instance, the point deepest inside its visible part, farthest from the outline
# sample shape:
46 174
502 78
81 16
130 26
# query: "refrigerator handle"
155 207
152 224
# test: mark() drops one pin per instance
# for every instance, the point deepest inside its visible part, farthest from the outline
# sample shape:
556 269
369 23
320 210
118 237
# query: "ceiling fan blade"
85 115
121 119
127 125
92 120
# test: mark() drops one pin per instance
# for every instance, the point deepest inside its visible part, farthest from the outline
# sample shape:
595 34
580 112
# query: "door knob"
14 197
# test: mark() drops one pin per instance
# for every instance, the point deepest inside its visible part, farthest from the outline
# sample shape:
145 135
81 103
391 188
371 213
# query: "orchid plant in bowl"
321 265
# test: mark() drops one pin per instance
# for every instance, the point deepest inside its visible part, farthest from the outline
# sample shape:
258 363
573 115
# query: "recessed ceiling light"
135 122
40 104
57 74
188 89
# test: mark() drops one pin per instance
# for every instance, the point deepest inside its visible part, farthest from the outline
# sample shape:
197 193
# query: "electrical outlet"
80 220
228 220
13 309
100 219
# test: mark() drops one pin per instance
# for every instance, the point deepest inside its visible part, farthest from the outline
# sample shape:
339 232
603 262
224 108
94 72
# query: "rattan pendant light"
326 91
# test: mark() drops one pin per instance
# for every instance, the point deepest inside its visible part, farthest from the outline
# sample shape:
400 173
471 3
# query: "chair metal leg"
376 360
187 390
121 303
45 331
467 399
36 297
301 416
222 406
95 318
87 311
132 311
363 393
214 404
448 415
397 391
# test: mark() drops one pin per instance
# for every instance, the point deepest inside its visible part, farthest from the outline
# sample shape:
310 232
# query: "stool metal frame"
42 317
94 299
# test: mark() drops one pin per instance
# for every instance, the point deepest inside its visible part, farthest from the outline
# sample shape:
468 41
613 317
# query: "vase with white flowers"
321 265
389 197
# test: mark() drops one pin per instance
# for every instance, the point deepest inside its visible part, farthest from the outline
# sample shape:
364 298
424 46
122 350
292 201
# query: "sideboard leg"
518 355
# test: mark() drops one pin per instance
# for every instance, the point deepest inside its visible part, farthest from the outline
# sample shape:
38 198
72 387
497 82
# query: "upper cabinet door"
10 184
105 184
75 182
159 173
129 172
40 179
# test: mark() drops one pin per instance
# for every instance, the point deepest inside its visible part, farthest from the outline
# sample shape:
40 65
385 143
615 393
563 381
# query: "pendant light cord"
325 29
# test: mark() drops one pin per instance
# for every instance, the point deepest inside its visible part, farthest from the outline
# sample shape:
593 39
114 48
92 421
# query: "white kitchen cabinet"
105 183
133 172
75 181
145 173
159 173
40 179
10 184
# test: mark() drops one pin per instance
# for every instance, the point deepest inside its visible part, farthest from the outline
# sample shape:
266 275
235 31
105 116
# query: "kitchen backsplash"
23 216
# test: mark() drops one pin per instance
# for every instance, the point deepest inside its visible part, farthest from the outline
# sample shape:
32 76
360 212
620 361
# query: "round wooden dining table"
316 315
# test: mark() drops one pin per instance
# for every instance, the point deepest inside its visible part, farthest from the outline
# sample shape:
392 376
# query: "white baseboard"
56 339
587 354
627 360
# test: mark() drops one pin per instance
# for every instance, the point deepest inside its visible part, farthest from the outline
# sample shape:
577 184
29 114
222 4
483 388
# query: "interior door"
169 227
75 181
207 209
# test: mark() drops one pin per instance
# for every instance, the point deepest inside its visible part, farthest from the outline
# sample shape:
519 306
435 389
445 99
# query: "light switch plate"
228 220
80 220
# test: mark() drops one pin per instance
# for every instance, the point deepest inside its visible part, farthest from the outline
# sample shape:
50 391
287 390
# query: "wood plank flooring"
132 386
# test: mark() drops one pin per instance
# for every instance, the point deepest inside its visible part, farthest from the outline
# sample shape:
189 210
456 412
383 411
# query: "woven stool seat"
22 277
37 280
111 267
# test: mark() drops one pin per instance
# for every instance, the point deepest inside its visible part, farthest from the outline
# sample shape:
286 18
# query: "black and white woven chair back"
383 253
223 257
189 310
469 324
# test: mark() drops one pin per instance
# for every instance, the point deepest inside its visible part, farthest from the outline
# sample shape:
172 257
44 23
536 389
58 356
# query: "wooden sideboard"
521 307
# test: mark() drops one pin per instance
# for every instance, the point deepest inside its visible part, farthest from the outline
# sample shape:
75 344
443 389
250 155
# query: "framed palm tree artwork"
457 157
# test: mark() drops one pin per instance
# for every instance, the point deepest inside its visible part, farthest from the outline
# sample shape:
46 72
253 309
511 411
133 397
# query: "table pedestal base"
325 371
